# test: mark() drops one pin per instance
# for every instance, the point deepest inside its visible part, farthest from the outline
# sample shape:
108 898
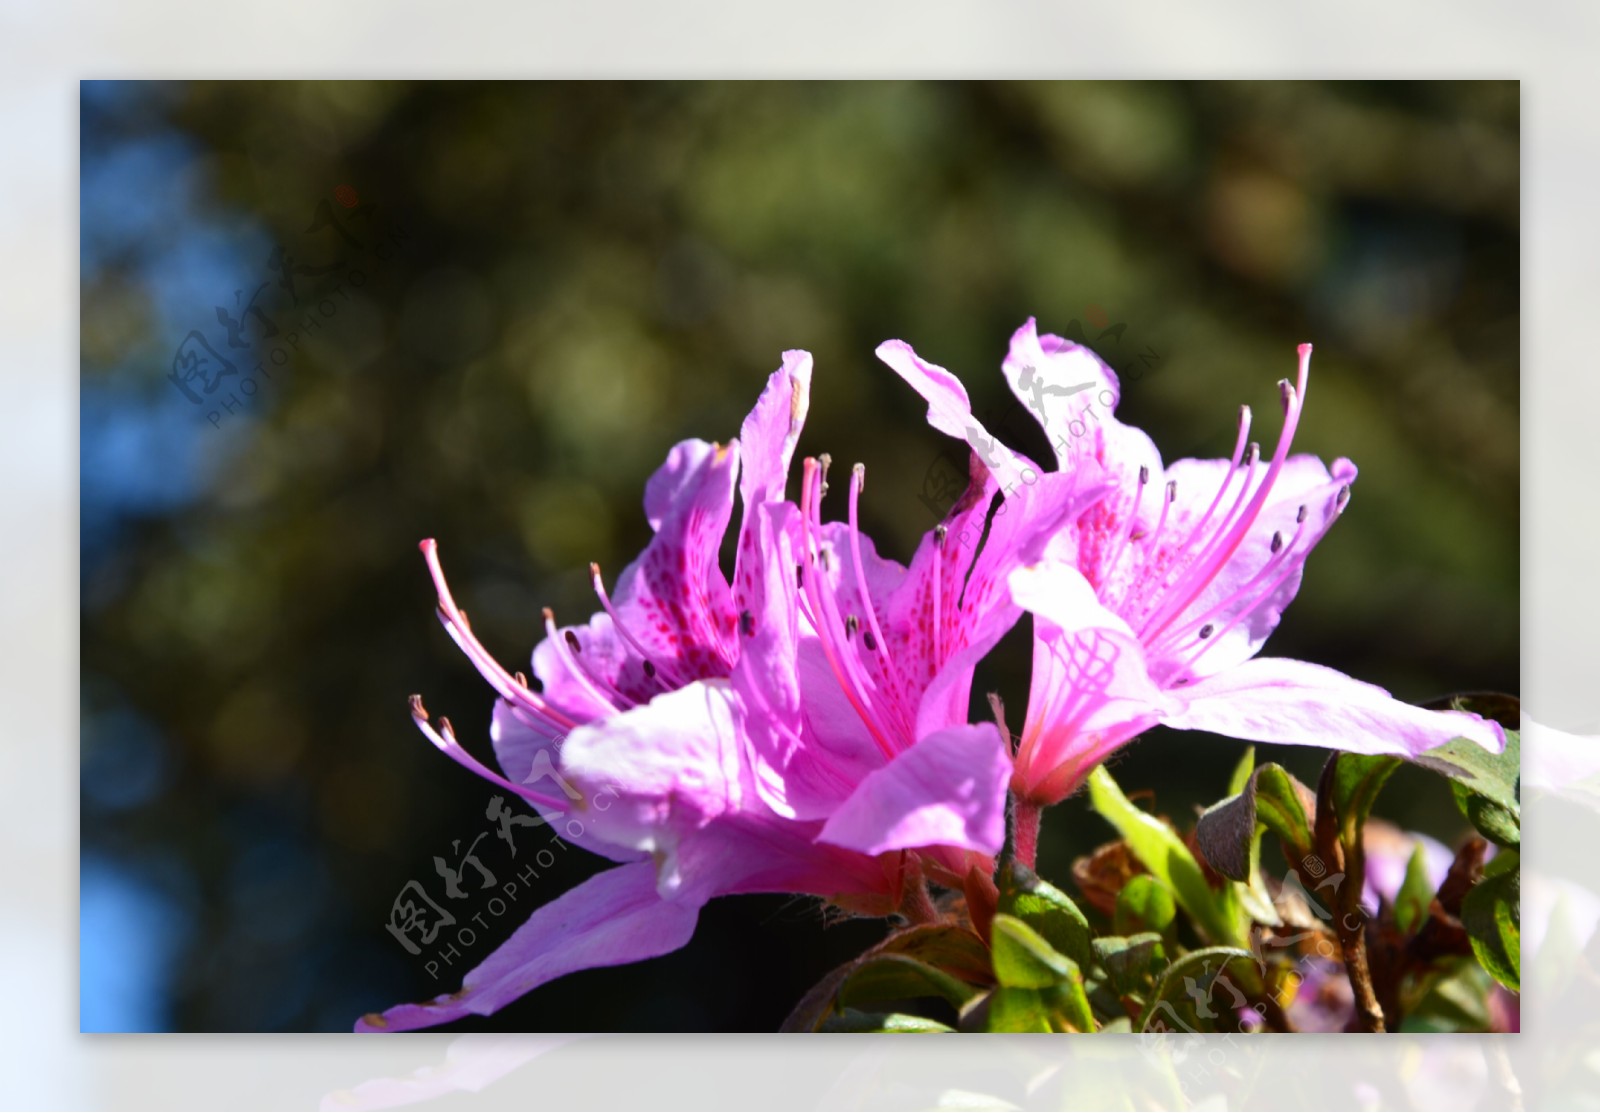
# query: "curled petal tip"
417 710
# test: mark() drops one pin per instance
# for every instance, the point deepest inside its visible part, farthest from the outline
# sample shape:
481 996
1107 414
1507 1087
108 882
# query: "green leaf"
1131 964
1411 903
1062 1008
1017 1010
1047 910
1487 787
1157 846
1357 780
1068 1006
853 1020
1145 904
1502 826
1022 957
1272 800
1495 776
1025 961
1183 997
955 950
1492 915
892 977
951 950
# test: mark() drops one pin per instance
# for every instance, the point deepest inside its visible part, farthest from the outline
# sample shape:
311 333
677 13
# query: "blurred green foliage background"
580 274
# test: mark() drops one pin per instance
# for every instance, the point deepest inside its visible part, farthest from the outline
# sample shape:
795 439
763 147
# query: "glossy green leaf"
1059 1008
1496 777
1487 787
955 950
1500 825
1183 998
1047 910
893 977
1023 959
1068 1006
946 948
1163 853
1013 1009
1145 904
1357 780
1270 800
1492 915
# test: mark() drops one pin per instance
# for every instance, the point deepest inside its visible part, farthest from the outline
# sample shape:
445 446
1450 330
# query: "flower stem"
919 907
1025 816
1345 856
916 904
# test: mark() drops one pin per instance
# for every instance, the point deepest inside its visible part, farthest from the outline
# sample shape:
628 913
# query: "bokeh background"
509 300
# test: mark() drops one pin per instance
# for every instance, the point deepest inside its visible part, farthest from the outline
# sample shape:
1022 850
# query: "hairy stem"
1025 816
916 904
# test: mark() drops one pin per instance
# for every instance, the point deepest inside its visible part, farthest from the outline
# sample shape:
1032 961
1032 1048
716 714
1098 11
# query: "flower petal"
675 785
804 757
950 410
770 432
981 609
671 767
612 919
1068 389
1275 699
1091 691
531 756
947 790
1244 598
673 599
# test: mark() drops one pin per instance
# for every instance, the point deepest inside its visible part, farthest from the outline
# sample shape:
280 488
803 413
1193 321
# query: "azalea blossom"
1150 606
653 664
866 719
802 729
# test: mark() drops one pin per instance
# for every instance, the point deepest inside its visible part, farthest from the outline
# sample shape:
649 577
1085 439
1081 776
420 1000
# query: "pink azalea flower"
1150 606
680 706
865 700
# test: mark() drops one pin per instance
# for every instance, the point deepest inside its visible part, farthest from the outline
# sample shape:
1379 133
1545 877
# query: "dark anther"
1301 516
650 670
871 642
1277 541
851 625
572 642
747 624
1207 630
